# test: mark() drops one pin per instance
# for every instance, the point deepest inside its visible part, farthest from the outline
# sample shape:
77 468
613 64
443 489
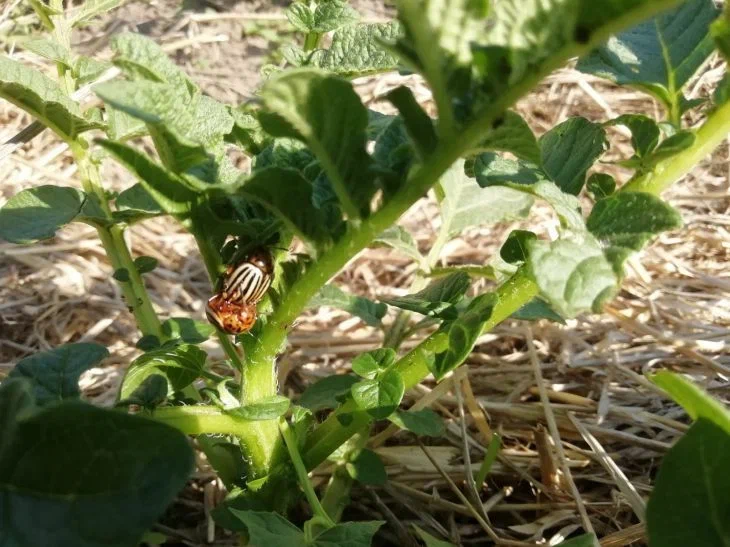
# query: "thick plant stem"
112 238
201 419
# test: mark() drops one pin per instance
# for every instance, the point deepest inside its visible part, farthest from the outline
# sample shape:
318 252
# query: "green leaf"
73 460
463 334
327 392
429 540
348 534
491 169
366 468
181 365
151 393
537 309
268 408
690 503
324 112
121 274
370 312
465 204
39 212
659 55
87 69
171 192
418 124
572 273
140 57
380 397
693 399
437 299
326 17
601 185
720 31
401 240
514 250
358 50
145 264
187 330
122 126
91 9
644 132
54 374
48 48
288 195
511 133
424 422
42 98
247 130
585 540
673 145
16 399
266 528
569 149
369 364
630 219
135 204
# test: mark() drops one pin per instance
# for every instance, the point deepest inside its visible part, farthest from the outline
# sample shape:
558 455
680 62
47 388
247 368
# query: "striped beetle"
233 309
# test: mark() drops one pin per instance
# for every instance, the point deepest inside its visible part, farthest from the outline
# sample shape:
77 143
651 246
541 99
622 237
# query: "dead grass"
583 430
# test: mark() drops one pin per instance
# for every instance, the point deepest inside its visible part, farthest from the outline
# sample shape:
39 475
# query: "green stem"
311 41
291 442
707 138
112 239
337 495
413 368
202 420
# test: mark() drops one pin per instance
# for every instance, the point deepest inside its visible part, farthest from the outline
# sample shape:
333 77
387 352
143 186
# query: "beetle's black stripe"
247 283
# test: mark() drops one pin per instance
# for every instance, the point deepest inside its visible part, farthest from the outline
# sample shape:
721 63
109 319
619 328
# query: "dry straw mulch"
583 430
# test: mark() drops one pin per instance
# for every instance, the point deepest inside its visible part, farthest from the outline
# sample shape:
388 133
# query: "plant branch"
707 138
202 420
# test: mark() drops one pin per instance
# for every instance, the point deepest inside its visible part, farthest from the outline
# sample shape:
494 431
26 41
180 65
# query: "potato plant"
332 177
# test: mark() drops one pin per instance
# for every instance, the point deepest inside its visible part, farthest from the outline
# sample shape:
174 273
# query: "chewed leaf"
358 50
38 213
658 55
299 104
42 98
54 374
572 273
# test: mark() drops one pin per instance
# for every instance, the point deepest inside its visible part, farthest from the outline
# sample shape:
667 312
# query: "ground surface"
673 312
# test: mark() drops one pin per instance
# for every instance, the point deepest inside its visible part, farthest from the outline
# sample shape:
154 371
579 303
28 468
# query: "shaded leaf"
515 248
644 132
695 472
569 149
463 334
437 299
348 534
327 392
585 540
268 408
401 240
39 212
630 219
424 422
265 528
659 55
181 365
136 203
149 394
53 473
187 330
512 134
379 397
367 468
429 540
370 312
145 264
537 309
324 112
418 124
54 374
601 185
